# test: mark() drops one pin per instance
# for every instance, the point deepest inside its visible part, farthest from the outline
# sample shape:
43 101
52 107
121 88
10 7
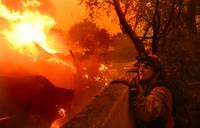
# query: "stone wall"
108 110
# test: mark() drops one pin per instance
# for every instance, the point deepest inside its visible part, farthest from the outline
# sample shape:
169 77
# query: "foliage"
150 20
157 25
169 26
88 36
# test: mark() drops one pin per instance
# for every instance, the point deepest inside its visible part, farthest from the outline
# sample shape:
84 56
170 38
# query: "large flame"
27 28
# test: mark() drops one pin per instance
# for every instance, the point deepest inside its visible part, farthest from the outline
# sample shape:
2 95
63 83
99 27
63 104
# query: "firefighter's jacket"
152 106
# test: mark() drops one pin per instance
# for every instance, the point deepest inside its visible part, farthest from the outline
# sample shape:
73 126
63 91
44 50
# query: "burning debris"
26 36
32 55
26 26
27 30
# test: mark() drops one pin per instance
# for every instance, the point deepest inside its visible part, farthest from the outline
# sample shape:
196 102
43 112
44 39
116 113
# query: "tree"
165 25
89 37
168 25
143 21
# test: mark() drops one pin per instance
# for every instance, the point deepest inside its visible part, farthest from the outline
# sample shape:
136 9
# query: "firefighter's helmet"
151 60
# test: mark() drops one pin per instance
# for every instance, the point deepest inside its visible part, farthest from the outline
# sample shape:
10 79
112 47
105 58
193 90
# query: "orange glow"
34 43
62 115
102 68
76 13
68 12
86 76
26 28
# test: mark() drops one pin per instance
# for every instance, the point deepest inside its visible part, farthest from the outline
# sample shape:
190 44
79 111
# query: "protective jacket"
152 106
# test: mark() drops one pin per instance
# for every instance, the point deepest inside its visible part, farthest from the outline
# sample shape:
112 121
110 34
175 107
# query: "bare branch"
145 19
158 25
145 33
137 42
175 21
126 9
136 23
109 2
146 38
155 27
169 20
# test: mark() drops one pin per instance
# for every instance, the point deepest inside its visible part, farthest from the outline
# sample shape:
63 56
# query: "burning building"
40 77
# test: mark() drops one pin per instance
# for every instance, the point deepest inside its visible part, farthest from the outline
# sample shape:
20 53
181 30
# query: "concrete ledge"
107 110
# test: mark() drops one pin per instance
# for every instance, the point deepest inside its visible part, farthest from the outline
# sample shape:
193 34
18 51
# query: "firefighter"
152 102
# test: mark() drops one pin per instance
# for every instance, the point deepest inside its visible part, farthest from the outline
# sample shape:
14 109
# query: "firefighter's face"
146 72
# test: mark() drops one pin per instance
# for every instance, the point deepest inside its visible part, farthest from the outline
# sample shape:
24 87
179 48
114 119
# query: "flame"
62 117
86 76
103 68
31 3
27 27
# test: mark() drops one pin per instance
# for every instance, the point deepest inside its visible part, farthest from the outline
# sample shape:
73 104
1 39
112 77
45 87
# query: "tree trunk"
128 30
189 17
179 52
